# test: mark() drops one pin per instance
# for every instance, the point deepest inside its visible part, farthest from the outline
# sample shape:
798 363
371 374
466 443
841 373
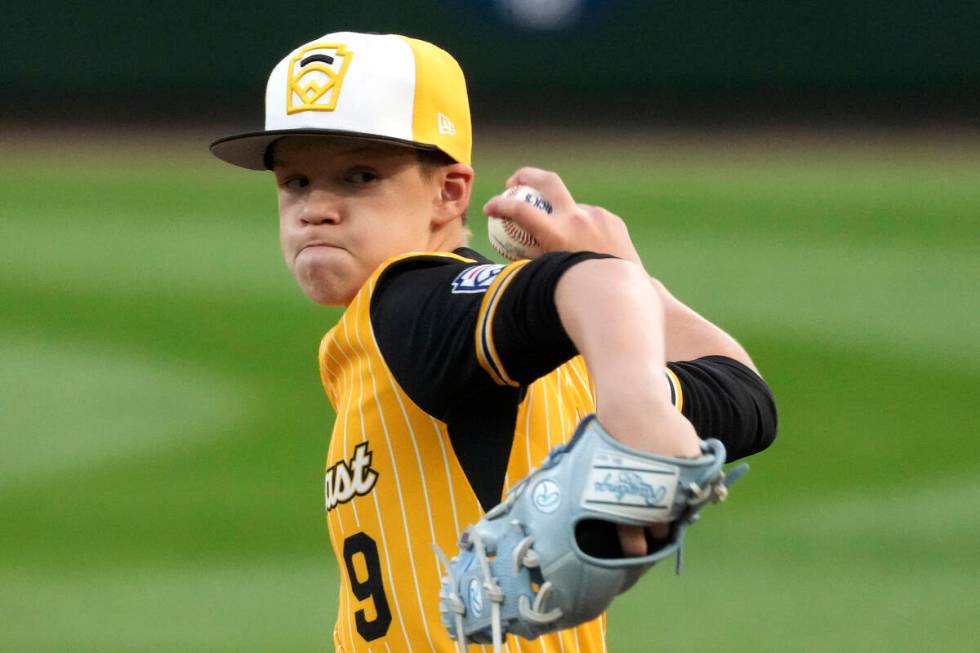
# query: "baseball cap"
384 87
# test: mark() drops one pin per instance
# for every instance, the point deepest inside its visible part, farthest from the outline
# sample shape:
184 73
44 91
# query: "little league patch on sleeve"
476 279
630 487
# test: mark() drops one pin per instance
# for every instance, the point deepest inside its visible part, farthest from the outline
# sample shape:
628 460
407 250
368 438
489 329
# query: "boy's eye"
296 182
361 176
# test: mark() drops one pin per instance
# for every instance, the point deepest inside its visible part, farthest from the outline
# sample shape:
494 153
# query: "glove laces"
455 603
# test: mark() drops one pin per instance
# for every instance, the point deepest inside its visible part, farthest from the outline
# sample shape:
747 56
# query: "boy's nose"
321 208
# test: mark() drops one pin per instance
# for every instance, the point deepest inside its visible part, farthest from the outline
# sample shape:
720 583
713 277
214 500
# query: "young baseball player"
452 376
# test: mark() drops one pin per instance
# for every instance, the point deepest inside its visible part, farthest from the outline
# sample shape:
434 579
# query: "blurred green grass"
163 429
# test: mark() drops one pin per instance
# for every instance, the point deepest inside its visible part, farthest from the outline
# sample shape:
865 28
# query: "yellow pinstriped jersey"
394 485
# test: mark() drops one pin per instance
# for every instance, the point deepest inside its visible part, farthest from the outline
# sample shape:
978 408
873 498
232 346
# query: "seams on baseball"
507 237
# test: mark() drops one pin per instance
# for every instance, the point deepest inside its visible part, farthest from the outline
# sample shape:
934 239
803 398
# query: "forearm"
616 319
689 336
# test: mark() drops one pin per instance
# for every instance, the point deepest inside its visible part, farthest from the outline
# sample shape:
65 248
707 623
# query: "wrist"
652 425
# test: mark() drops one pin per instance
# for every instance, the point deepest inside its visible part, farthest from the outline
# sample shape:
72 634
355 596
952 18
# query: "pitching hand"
571 226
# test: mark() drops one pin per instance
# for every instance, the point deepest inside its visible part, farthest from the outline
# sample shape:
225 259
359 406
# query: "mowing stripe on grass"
76 405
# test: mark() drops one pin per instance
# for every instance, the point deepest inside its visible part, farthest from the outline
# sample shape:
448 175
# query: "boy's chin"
326 286
328 292
327 296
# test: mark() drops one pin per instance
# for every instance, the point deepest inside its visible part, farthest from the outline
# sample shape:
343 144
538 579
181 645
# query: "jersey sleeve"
450 328
519 336
423 313
724 399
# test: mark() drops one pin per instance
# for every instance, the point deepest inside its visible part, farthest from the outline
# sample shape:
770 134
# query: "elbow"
757 424
767 422
765 436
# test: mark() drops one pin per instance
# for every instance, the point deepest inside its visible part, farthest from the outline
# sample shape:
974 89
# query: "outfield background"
162 429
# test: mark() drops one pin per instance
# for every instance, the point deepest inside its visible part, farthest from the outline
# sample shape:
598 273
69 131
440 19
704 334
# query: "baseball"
510 240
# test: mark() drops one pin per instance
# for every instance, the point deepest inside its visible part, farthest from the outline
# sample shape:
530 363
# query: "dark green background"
835 58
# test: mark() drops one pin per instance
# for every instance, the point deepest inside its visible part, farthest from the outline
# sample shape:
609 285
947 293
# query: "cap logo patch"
314 77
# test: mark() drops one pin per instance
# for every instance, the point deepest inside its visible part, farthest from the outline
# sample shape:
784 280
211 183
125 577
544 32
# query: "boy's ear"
454 195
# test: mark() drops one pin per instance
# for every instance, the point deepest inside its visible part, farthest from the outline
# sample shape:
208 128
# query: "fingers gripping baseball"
549 183
571 226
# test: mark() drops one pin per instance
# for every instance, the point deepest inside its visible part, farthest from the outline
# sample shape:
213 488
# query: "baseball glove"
548 557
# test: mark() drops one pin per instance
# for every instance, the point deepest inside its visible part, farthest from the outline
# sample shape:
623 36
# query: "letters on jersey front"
346 480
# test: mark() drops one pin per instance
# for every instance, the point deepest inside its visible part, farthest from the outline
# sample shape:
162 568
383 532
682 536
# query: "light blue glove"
548 557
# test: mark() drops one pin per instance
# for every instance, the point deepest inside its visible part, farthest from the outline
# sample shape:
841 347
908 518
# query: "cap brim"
249 150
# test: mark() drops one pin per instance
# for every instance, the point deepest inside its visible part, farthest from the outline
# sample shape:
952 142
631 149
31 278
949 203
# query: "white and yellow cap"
379 86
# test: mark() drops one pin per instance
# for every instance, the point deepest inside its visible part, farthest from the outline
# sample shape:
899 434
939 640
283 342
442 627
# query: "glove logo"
631 484
546 496
630 487
314 77
476 597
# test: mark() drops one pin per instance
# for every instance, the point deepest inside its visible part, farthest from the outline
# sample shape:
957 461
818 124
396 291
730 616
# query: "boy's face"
347 205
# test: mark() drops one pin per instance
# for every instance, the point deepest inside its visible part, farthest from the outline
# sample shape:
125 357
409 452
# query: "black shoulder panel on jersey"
724 399
424 327
425 332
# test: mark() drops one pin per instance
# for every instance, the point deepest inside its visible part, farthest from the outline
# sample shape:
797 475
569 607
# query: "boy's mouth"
317 243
